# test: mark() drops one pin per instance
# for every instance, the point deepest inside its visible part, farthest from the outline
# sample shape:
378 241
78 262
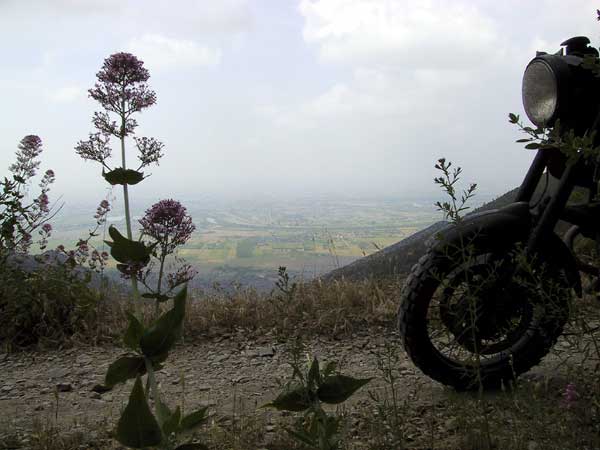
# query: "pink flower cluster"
122 87
149 149
102 211
19 220
30 148
82 255
570 395
168 223
84 252
44 233
184 274
96 148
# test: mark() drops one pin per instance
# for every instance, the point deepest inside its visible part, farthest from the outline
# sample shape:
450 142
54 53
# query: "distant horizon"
291 99
140 202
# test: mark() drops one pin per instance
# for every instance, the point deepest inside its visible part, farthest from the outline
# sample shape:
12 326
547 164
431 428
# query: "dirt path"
230 374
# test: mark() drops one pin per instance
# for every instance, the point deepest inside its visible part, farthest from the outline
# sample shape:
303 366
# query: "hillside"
398 258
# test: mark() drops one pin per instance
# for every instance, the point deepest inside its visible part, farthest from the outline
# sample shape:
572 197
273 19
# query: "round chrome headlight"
540 92
546 89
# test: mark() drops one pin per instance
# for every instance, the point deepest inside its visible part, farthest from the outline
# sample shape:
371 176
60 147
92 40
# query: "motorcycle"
492 294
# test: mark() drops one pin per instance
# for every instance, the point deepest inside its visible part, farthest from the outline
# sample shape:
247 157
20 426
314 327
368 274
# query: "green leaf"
194 419
158 359
302 436
192 447
123 369
171 425
163 411
513 118
533 146
329 368
338 388
137 427
332 425
115 235
161 336
123 176
100 388
160 297
127 251
134 333
298 399
520 141
314 376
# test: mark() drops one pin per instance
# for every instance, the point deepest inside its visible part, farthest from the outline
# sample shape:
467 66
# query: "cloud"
161 52
398 34
73 7
65 94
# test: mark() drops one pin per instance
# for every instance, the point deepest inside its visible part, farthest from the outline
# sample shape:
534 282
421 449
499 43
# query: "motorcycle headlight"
543 89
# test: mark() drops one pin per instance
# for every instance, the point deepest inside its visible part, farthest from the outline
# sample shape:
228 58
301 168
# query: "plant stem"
160 277
134 285
154 389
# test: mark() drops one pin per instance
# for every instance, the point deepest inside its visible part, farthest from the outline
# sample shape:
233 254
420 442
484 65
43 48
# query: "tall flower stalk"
122 91
19 219
168 225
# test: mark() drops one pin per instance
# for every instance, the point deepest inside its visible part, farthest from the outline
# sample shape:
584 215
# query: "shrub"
46 306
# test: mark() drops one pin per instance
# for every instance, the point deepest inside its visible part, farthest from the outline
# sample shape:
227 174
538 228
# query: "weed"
389 425
308 388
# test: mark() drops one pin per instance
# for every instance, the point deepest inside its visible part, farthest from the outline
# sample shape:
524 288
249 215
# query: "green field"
249 241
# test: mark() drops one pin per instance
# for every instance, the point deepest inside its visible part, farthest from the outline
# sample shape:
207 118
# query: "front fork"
549 212
553 208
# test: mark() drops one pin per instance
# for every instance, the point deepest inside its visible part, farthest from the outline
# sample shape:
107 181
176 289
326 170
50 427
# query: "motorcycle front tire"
426 277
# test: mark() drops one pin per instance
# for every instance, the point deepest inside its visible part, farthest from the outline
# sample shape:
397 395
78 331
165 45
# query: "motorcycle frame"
553 207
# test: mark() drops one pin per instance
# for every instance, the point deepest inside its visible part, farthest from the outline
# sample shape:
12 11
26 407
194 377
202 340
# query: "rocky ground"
213 373
233 374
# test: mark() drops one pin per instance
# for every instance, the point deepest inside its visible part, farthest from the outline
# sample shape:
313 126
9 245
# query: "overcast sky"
285 97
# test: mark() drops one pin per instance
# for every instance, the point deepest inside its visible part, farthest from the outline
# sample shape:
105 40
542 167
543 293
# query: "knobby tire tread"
410 321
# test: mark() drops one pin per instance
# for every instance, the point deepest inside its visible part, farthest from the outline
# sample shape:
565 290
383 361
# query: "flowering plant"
121 90
19 219
168 225
85 253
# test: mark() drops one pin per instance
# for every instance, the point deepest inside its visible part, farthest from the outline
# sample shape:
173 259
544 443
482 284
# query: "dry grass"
531 415
313 308
335 309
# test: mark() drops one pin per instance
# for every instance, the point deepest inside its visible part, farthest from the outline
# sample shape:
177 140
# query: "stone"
59 372
84 359
266 351
220 358
64 387
451 424
208 403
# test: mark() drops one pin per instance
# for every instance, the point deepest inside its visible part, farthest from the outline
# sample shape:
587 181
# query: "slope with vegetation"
309 365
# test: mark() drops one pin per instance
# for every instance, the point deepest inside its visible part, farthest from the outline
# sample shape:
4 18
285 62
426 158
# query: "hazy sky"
285 97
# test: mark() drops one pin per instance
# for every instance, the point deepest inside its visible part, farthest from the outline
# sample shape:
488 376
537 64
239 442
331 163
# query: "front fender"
499 230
